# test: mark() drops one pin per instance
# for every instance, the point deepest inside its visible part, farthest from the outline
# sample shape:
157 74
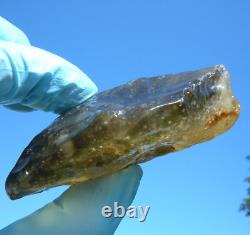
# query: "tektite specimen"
129 124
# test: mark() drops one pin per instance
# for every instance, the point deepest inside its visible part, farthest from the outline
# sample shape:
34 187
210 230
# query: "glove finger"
19 108
37 79
79 209
9 32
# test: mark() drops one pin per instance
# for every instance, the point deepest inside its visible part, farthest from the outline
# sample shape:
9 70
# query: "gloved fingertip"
9 32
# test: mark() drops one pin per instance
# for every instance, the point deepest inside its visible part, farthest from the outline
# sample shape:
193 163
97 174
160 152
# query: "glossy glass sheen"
129 124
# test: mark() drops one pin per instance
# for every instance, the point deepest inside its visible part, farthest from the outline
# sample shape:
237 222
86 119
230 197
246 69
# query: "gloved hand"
33 79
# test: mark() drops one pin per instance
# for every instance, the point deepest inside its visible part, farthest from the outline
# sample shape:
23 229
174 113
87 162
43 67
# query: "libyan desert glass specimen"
129 124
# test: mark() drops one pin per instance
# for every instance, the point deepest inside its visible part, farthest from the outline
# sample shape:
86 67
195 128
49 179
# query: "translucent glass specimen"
129 124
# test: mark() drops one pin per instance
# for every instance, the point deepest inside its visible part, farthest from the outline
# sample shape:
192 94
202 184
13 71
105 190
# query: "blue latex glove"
33 79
